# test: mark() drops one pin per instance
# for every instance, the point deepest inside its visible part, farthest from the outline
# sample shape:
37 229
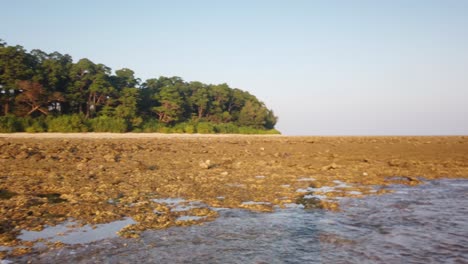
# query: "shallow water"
423 224
69 234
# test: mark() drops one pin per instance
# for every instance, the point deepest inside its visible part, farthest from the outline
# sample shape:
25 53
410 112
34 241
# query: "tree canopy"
40 86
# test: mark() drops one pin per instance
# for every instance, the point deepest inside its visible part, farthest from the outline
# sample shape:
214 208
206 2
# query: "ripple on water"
426 223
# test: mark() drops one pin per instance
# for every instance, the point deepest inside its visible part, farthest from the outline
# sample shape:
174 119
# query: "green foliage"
49 92
227 128
151 125
67 123
190 128
205 128
10 124
108 124
36 125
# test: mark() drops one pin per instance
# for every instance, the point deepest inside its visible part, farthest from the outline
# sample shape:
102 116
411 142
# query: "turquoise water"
423 224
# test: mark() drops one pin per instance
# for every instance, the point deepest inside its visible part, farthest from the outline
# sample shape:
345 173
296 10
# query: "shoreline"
97 135
96 178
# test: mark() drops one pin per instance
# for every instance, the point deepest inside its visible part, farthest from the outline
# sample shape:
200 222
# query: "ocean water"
422 224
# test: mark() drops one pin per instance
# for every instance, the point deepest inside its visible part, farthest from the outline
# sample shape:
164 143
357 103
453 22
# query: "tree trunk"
200 113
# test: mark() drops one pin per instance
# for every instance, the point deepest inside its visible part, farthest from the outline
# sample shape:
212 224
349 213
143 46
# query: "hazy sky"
324 67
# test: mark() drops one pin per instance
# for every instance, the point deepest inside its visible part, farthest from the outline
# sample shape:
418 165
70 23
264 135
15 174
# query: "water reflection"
73 233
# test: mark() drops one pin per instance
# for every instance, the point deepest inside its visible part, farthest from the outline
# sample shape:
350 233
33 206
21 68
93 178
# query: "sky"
325 67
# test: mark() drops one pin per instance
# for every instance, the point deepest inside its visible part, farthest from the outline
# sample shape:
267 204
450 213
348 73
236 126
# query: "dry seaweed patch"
98 180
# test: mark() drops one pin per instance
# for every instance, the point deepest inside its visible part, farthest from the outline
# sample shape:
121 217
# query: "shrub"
247 130
164 129
227 128
178 128
109 124
205 128
190 128
67 123
36 125
151 125
271 132
10 124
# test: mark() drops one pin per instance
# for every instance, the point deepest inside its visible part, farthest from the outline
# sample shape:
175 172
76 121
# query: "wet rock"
403 180
310 203
257 206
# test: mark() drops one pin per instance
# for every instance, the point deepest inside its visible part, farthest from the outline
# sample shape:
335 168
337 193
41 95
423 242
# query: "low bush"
36 125
205 128
108 124
10 124
67 124
227 128
150 126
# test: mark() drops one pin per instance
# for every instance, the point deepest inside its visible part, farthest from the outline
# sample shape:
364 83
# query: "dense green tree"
253 114
127 108
15 64
170 109
34 98
125 78
200 98
52 70
81 77
87 95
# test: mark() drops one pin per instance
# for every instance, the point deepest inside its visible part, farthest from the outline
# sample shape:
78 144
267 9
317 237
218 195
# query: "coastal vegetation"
49 92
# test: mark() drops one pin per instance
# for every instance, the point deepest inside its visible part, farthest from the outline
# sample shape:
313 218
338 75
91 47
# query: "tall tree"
36 83
35 98
170 109
200 98
253 114
15 64
81 77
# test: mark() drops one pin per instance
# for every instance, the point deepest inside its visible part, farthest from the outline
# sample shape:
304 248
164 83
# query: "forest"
41 92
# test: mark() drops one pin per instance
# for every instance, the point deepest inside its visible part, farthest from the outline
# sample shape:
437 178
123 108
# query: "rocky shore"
46 179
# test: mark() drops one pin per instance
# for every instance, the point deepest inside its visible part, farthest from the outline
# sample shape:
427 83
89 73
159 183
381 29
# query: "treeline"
49 92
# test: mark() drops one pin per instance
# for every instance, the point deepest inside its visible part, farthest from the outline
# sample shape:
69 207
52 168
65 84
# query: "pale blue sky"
324 67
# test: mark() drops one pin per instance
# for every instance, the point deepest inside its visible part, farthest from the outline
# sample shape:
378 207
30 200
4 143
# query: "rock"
80 166
237 165
22 155
110 158
330 167
310 203
37 157
5 156
205 164
224 173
